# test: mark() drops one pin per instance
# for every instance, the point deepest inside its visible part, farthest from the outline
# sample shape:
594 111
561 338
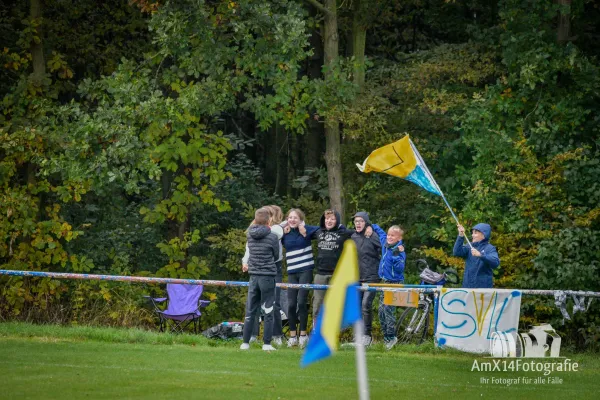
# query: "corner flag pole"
361 361
432 179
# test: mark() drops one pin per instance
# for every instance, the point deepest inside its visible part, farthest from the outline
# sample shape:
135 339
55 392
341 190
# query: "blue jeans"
387 316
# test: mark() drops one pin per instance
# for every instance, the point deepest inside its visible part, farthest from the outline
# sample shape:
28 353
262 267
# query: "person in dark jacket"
263 247
274 223
330 243
391 270
369 254
481 260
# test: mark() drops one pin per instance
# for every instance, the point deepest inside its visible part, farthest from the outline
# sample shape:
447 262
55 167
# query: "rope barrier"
205 282
363 287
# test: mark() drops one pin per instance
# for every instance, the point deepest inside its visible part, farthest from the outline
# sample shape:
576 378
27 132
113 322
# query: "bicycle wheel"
413 324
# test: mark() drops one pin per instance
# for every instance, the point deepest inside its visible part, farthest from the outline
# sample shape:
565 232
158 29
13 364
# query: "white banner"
467 318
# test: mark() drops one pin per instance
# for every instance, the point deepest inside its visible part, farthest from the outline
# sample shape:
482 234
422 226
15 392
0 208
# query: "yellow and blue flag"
340 307
401 159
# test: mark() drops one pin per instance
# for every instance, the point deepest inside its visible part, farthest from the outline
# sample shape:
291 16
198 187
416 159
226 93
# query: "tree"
332 124
533 136
35 233
158 118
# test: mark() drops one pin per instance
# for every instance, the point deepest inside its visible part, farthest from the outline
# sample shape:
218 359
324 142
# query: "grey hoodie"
263 246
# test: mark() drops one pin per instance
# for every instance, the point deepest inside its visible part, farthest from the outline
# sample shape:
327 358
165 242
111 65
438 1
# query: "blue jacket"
391 266
478 270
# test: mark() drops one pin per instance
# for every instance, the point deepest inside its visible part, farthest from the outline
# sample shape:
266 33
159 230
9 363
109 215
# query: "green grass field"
50 362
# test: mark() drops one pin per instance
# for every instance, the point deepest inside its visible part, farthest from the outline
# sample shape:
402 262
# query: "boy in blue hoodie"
391 270
481 260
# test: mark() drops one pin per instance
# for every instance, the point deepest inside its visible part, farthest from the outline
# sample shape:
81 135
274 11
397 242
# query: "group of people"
381 259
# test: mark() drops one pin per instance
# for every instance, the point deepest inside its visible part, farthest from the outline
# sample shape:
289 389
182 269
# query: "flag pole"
432 179
361 361
449 208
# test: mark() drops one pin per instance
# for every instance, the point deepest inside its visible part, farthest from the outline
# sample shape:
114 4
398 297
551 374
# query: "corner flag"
340 307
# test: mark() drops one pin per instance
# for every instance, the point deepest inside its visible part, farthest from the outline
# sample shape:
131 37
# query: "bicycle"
413 324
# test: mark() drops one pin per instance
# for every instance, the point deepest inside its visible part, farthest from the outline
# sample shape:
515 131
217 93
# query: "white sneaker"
268 347
391 343
244 346
277 341
292 341
302 342
253 339
367 340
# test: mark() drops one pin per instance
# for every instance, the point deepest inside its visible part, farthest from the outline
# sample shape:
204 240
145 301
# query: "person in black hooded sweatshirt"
330 243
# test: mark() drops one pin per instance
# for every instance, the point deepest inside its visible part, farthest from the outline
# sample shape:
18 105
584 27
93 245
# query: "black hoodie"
330 245
263 247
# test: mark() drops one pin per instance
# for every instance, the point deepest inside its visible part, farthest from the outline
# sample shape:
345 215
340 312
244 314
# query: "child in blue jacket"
391 270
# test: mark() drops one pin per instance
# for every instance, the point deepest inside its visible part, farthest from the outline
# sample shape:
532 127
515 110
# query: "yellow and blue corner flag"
401 159
340 307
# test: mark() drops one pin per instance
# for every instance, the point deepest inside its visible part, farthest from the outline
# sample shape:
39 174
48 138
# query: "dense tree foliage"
138 139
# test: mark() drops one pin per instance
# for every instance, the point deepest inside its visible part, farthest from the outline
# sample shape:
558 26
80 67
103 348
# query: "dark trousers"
298 301
277 328
366 300
261 293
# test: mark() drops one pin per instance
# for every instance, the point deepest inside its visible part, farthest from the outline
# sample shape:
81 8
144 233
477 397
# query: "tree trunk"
166 180
332 126
315 135
269 157
359 38
282 155
563 31
37 49
175 228
39 71
294 163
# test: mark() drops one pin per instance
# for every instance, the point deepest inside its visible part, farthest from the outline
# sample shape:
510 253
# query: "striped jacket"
298 250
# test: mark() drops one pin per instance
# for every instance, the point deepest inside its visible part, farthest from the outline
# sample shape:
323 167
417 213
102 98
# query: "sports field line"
403 382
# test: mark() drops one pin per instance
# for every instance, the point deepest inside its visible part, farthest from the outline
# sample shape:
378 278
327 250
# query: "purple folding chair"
183 307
